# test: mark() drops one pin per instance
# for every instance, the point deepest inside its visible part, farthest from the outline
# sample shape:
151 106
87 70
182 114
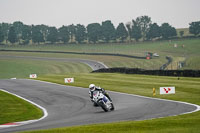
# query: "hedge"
178 73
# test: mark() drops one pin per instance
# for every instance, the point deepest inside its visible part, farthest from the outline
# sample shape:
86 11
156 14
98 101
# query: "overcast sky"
178 13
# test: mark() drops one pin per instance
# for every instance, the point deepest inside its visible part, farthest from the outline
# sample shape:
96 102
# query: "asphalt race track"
68 106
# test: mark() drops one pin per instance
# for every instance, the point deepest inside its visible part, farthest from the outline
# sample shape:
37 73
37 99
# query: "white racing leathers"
103 101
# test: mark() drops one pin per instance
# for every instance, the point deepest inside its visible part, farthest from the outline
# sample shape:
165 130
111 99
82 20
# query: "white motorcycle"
100 99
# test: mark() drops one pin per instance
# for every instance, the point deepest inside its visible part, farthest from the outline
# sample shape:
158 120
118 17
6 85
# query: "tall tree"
26 33
136 32
121 32
72 30
52 35
1 34
108 31
154 31
37 36
94 32
144 22
5 28
63 34
44 30
18 29
12 36
167 31
80 34
195 28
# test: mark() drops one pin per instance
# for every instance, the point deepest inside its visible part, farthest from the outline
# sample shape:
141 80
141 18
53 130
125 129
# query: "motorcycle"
100 99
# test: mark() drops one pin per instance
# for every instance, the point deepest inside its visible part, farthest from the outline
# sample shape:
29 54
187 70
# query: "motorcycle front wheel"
103 106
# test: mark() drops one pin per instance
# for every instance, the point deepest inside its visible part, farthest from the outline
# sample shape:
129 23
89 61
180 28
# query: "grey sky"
178 13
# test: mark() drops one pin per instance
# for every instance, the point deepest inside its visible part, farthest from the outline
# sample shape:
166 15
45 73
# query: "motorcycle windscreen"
95 93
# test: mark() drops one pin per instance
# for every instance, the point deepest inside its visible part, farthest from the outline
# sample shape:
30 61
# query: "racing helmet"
92 87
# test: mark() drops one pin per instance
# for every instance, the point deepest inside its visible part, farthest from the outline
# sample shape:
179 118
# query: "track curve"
95 65
68 106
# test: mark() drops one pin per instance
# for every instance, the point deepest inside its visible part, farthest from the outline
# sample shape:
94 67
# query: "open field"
187 49
22 68
110 61
126 48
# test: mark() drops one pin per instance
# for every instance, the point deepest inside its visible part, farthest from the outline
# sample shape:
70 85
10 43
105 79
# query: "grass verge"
13 109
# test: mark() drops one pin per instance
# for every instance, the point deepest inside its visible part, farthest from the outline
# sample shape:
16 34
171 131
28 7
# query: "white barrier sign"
69 80
167 90
33 76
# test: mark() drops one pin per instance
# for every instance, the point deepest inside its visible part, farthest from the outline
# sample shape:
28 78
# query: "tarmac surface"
70 106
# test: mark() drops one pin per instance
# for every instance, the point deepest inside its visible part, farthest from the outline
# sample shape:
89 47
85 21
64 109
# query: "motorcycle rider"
93 88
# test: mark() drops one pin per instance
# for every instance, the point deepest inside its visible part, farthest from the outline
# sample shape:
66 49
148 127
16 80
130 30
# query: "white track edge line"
45 113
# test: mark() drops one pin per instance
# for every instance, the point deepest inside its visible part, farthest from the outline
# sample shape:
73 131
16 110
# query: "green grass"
163 48
193 63
126 48
22 68
187 89
110 61
13 109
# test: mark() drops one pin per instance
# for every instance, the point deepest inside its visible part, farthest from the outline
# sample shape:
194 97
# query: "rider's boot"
106 94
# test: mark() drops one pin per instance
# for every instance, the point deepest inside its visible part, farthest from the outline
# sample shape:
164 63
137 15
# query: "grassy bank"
187 89
161 47
110 61
13 109
188 49
22 68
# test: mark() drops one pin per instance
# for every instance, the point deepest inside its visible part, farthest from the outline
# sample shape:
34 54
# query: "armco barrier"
178 73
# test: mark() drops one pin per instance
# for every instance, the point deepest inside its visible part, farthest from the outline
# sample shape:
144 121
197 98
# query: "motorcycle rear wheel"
112 108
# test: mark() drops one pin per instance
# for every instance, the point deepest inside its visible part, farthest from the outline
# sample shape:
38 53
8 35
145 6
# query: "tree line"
138 29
